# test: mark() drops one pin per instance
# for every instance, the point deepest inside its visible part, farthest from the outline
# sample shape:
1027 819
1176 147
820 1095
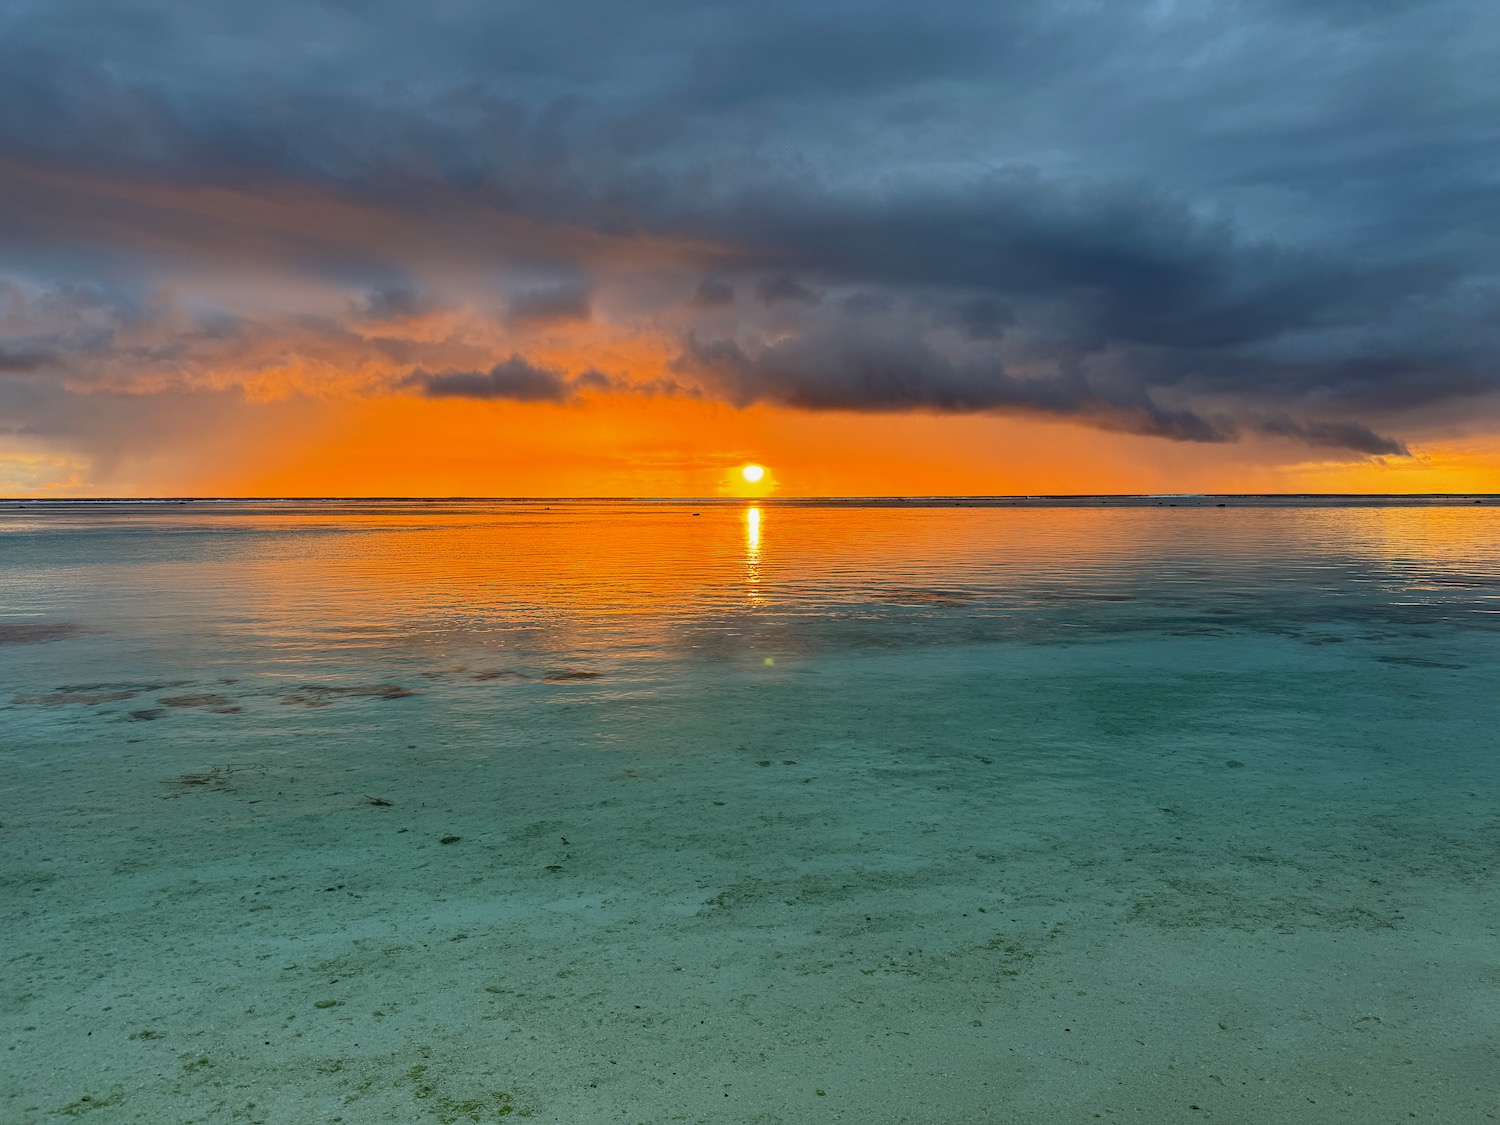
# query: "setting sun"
753 473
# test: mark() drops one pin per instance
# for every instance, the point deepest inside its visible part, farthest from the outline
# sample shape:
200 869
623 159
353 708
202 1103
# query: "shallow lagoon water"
785 813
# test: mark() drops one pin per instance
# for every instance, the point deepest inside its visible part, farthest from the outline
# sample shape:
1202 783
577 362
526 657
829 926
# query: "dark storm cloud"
893 373
514 379
517 379
1335 435
1195 221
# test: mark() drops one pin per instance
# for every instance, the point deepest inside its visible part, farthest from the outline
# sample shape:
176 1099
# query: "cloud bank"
1195 222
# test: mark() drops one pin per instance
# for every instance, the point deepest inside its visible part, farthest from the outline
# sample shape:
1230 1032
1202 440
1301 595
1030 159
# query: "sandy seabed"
1151 879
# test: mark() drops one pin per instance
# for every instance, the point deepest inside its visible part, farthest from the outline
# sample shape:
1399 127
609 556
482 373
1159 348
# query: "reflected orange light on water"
752 552
453 584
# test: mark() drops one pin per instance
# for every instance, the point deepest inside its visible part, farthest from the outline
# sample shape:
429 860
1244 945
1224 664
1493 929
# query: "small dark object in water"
381 801
146 714
564 677
1234 764
450 839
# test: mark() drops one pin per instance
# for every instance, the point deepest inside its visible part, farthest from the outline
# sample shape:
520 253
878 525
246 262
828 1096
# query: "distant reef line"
389 503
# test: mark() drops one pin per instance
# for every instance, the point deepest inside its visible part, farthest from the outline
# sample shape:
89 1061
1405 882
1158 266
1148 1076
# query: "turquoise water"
801 812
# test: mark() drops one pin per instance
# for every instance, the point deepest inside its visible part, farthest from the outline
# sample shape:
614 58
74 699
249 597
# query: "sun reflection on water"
752 553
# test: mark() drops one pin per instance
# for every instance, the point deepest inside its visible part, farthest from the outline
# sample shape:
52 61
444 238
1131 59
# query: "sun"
753 473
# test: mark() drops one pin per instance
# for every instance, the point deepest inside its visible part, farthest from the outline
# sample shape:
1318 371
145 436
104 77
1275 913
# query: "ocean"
1151 809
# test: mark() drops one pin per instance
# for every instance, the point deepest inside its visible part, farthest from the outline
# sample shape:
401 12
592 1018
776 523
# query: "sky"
606 247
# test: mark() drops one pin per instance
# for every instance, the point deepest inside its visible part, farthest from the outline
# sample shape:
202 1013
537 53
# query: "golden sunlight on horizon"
697 449
624 446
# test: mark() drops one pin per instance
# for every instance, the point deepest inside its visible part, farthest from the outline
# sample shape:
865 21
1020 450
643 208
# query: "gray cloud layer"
1191 221
513 379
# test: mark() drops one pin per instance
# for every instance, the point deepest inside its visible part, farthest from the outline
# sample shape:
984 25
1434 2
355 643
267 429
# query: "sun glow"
753 473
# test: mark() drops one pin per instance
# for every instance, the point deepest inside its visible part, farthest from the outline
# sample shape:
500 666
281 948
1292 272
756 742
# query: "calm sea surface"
658 812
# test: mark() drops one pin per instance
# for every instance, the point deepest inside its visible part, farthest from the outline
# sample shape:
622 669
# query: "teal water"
801 812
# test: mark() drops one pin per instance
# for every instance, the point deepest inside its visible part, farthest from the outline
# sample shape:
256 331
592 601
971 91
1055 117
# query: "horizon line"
773 499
